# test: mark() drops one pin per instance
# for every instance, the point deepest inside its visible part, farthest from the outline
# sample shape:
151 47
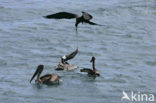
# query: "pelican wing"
89 71
55 78
61 15
86 16
46 78
72 55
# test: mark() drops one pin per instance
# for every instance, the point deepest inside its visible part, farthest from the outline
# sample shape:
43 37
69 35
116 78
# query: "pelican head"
38 71
64 57
93 59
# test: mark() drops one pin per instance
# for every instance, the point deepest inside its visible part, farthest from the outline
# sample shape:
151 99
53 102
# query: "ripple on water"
124 49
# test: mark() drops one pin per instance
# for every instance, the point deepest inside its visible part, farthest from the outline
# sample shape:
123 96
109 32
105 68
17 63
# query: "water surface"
124 49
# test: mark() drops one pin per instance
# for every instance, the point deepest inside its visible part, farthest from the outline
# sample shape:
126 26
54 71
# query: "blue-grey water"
125 50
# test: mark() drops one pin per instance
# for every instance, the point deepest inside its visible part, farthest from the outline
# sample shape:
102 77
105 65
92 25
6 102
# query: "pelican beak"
91 60
34 76
38 70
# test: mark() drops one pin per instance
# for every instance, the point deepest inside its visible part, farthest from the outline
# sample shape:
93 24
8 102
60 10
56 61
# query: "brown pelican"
46 79
93 72
79 19
64 65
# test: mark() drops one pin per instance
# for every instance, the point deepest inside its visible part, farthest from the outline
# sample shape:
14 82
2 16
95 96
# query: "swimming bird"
85 18
64 65
47 79
93 72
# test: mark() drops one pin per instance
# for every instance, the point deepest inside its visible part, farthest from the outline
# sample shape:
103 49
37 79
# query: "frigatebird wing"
92 23
61 15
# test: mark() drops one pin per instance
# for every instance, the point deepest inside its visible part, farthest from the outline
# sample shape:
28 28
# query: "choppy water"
125 50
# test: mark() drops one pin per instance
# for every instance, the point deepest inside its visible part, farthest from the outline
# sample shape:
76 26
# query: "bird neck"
93 64
62 60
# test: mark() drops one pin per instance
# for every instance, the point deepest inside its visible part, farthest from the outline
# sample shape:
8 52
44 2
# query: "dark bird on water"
85 18
92 72
47 79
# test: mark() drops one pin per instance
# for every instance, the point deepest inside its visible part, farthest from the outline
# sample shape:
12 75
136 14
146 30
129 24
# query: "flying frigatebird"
85 18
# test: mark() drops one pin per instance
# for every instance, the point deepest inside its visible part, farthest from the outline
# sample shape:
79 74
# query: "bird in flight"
85 18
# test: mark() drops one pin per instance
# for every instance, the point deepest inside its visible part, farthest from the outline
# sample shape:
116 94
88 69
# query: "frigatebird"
85 18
